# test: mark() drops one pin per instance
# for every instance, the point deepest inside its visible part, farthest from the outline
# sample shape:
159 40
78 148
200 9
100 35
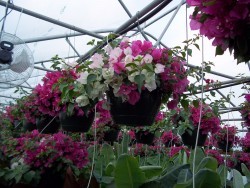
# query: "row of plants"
133 90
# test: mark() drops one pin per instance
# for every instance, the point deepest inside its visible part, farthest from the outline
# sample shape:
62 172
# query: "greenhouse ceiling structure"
64 28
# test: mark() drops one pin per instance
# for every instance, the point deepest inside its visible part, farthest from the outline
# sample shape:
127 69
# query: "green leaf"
212 93
91 78
189 52
222 171
247 185
197 46
209 163
237 179
125 143
110 168
184 176
219 51
151 171
108 154
185 104
139 80
199 157
196 103
171 178
128 173
245 171
29 176
207 178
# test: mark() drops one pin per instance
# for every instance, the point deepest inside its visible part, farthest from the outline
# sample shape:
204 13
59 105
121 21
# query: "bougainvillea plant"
226 22
216 154
131 67
245 110
226 133
170 139
245 142
42 152
188 119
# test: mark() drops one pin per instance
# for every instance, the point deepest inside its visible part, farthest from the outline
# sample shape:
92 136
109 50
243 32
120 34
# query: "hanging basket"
189 140
75 123
144 137
51 179
224 146
111 135
142 113
28 126
48 124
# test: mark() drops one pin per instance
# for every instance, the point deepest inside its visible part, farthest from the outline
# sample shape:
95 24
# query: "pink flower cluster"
168 136
220 20
209 121
46 151
237 158
245 141
48 97
215 154
226 133
245 111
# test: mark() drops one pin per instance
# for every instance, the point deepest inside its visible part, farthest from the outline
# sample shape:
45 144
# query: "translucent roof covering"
63 28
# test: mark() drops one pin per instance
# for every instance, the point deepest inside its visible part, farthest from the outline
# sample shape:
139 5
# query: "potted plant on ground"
226 22
226 137
42 160
140 78
187 122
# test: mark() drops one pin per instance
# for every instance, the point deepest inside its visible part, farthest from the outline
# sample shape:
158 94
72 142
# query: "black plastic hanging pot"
48 124
142 113
224 146
28 126
145 137
189 140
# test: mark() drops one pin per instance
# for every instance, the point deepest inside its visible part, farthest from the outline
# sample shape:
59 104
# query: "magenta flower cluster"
209 121
224 21
168 136
48 97
41 151
245 111
226 133
245 142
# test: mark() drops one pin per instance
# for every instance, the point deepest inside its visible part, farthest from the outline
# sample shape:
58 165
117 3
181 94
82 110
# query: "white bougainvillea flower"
159 68
114 54
108 73
129 59
97 61
128 51
83 77
82 100
148 58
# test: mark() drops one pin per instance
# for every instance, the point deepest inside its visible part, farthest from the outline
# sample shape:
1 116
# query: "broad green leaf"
170 179
208 162
29 176
198 158
184 176
107 153
125 143
219 51
151 171
110 168
128 173
222 171
245 171
139 80
237 179
247 185
107 179
184 104
189 52
91 78
207 178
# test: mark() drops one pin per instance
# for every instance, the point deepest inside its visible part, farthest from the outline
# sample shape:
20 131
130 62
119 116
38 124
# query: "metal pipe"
235 119
8 97
68 41
169 23
40 68
130 15
51 20
124 27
